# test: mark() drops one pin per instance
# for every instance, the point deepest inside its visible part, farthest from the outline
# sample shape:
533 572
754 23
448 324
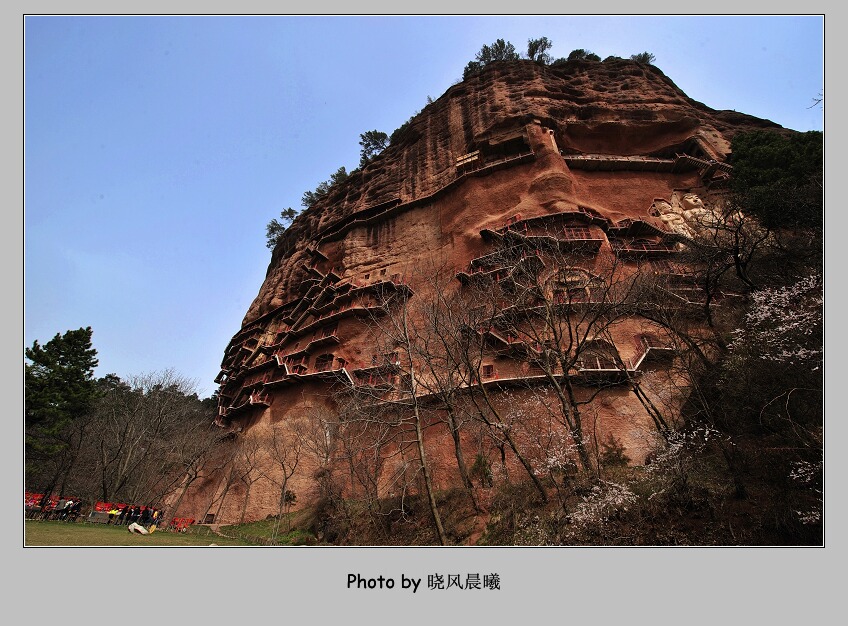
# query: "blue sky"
158 148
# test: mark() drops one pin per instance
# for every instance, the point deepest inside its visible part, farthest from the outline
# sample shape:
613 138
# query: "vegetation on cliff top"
780 177
537 51
373 142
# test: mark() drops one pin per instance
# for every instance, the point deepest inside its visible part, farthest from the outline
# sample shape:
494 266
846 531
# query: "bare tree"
192 454
369 439
284 450
248 466
227 469
436 343
317 429
145 432
402 330
472 312
556 314
725 244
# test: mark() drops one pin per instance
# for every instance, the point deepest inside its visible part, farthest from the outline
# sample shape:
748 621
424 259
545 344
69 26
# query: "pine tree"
59 388
275 228
373 142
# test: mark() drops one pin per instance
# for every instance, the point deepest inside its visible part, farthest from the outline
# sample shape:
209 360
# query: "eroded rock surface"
610 155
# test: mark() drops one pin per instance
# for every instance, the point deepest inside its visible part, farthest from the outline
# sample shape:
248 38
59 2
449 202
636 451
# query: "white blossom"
809 517
804 472
782 323
604 500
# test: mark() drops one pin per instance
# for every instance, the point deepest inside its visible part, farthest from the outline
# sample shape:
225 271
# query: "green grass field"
50 533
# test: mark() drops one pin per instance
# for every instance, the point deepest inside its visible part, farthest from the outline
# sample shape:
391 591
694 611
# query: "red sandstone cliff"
613 150
617 107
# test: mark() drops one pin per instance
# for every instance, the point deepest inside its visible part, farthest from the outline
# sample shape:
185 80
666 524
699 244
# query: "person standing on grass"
144 520
57 511
75 510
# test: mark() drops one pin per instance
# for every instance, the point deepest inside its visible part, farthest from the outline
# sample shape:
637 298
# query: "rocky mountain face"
618 107
522 200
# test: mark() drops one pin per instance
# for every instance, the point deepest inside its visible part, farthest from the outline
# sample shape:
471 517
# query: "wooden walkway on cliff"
710 170
373 378
330 297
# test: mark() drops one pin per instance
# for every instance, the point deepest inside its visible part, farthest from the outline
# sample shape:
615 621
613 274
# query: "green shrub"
643 57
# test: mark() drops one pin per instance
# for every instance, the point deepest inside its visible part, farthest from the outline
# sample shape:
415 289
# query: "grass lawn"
50 533
282 533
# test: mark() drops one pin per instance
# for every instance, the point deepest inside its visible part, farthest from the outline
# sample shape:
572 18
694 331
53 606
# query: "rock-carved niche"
493 148
576 285
598 354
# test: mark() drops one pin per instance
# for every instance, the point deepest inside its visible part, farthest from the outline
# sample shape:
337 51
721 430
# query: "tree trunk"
224 496
575 425
246 500
176 506
460 458
281 507
524 462
651 409
419 436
